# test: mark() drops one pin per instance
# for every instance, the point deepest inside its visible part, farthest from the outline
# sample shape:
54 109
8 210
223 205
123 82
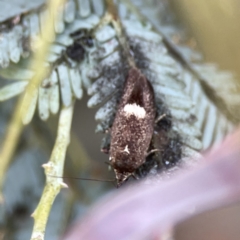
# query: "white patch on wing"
134 109
126 149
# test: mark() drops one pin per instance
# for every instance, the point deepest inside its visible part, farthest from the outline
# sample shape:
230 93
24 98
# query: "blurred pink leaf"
143 211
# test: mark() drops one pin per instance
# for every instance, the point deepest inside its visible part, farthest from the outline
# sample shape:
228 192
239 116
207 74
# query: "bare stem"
53 168
112 16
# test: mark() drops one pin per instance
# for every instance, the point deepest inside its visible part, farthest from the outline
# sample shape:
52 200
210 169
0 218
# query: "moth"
133 126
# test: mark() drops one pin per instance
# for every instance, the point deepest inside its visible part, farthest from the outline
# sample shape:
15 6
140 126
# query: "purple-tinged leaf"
142 211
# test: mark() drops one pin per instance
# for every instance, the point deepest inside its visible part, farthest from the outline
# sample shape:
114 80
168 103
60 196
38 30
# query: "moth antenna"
85 179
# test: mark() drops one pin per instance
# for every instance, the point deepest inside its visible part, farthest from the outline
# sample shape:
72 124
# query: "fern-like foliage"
194 110
214 91
179 93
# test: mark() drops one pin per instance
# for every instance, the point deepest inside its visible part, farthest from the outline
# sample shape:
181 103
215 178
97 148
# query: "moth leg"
160 118
153 151
135 176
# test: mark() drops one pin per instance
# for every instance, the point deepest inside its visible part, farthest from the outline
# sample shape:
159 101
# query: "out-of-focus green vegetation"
215 25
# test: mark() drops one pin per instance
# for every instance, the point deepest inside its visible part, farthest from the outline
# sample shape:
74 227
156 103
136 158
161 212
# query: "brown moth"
133 126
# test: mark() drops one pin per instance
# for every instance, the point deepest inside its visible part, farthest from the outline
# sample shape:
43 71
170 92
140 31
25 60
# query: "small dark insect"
133 126
76 52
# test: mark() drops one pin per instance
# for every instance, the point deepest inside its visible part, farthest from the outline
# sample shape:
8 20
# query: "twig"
55 168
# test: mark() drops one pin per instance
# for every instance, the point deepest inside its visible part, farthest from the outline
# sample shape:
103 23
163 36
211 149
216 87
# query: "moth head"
121 177
123 164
